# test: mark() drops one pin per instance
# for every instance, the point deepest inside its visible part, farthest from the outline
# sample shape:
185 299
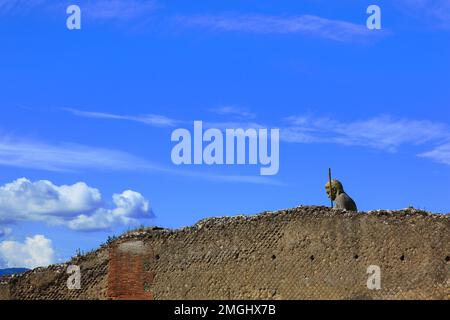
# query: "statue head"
335 189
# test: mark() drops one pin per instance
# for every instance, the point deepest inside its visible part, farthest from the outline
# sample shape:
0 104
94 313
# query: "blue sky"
87 115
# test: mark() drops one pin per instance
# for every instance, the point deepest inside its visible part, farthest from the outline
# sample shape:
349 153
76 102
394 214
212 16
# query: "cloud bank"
36 251
439 154
382 132
77 206
4 232
234 112
130 206
67 157
150 119
98 10
117 9
434 12
311 25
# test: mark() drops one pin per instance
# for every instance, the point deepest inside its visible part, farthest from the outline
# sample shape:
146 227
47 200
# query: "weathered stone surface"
300 253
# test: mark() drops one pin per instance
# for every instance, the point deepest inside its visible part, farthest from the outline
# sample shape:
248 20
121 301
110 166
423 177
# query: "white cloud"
35 252
95 10
381 132
433 12
130 206
234 111
42 200
233 125
15 6
336 30
71 157
4 232
117 9
67 157
440 154
150 119
163 121
78 206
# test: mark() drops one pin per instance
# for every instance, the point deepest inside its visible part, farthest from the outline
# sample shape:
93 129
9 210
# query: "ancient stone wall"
301 253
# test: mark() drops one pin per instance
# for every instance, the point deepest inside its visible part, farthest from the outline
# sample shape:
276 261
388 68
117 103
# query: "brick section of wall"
128 278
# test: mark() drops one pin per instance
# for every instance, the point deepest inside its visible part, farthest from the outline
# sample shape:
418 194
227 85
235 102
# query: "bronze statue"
337 194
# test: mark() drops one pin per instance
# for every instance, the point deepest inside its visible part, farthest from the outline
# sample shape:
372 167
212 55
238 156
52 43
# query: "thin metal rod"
331 187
